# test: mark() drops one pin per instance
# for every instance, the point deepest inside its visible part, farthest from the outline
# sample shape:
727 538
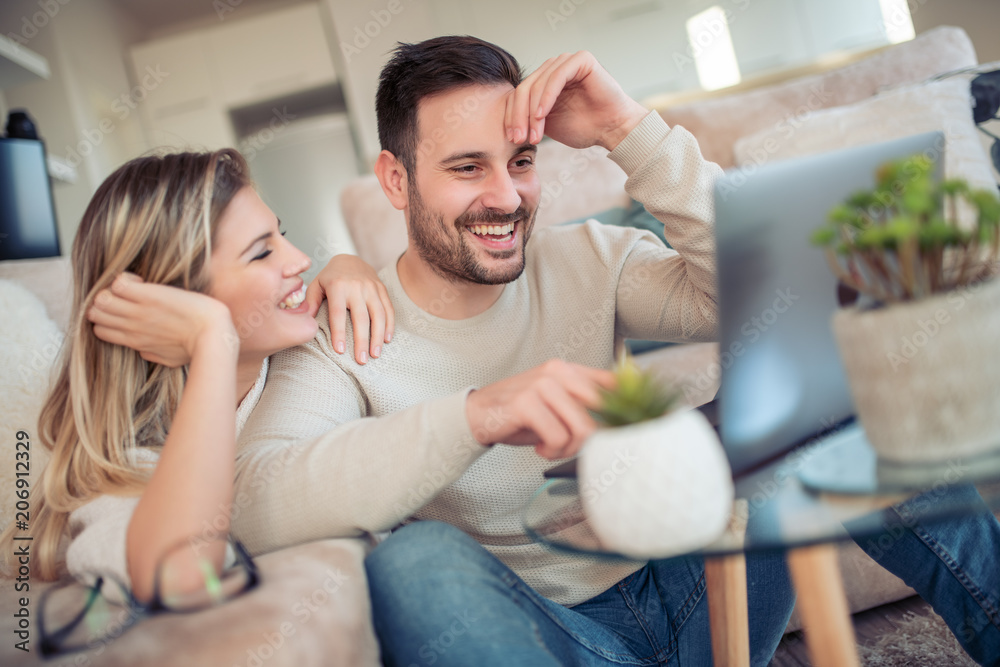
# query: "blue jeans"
954 564
439 598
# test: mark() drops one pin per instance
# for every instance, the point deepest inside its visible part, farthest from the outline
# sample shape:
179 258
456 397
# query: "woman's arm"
191 487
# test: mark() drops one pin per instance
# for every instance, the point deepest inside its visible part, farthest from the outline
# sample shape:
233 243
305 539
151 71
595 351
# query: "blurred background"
292 83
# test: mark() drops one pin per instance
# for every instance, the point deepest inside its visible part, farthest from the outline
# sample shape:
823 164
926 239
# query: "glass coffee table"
797 504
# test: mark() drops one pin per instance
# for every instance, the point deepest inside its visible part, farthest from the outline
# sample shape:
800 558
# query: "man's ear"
392 177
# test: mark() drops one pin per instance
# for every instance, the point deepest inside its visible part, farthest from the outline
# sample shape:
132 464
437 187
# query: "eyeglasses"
77 616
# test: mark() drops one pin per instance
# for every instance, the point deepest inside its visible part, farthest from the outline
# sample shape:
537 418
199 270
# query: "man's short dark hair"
428 68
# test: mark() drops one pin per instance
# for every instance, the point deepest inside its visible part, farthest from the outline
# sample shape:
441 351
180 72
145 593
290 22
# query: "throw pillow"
636 216
942 105
29 346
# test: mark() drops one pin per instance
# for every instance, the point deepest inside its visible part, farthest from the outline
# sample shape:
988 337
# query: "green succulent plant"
902 240
638 397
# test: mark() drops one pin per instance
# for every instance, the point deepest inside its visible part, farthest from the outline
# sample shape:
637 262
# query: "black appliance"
27 214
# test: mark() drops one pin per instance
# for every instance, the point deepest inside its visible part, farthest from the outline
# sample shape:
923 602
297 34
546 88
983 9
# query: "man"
336 448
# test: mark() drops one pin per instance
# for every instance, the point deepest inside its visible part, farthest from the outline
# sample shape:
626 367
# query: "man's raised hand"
574 100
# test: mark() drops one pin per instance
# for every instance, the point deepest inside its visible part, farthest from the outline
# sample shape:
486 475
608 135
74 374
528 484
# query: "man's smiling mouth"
495 232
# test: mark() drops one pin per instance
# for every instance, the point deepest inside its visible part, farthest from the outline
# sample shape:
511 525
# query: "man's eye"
262 255
466 169
523 162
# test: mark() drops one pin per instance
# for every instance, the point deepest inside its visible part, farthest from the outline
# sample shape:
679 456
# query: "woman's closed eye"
262 255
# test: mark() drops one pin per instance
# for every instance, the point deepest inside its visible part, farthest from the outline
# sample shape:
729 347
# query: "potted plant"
920 355
654 480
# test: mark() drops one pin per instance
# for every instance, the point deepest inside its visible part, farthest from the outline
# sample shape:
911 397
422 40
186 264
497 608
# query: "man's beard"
455 260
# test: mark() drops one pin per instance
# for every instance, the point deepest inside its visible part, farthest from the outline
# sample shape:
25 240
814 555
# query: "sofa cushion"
49 279
718 122
942 105
29 345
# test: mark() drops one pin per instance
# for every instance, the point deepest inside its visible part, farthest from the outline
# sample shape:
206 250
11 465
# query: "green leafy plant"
638 397
902 241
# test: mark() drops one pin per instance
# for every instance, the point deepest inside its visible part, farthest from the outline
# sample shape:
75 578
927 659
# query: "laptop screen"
782 378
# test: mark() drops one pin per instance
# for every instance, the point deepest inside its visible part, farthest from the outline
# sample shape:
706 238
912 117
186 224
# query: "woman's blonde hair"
155 217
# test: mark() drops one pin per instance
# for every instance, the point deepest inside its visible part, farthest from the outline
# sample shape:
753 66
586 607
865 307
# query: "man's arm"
668 294
662 294
312 465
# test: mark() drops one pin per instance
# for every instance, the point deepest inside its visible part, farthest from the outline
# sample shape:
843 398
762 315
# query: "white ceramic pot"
657 488
925 375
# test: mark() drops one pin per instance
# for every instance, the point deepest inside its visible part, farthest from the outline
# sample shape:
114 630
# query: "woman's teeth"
294 300
492 230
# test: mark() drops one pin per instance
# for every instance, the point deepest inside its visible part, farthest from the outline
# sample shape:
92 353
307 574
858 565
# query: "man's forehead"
454 117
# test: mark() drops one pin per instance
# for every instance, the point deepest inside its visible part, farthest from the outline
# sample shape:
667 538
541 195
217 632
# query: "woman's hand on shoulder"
166 325
350 284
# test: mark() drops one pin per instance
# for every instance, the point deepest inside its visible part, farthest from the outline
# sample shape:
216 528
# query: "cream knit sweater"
339 449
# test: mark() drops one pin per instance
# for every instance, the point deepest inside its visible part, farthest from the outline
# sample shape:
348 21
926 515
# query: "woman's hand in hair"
163 324
350 284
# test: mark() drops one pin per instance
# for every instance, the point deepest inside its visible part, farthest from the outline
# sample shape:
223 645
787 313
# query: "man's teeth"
492 230
293 300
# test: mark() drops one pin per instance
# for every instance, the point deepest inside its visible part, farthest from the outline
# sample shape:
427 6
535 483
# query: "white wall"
75 109
643 44
979 18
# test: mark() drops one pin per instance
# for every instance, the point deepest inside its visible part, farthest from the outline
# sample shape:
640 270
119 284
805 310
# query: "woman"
143 438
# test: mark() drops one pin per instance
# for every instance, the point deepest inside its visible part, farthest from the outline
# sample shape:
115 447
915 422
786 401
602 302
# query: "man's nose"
500 193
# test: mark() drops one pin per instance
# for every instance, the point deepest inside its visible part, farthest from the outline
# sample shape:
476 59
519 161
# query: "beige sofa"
311 607
269 627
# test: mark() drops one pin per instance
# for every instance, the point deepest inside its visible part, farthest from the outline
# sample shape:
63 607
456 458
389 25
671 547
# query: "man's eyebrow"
458 157
482 155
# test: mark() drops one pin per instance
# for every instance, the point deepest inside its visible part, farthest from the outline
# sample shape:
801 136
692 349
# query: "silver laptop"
782 378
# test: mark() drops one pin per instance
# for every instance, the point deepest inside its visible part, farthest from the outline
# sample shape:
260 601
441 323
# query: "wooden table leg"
826 618
726 581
